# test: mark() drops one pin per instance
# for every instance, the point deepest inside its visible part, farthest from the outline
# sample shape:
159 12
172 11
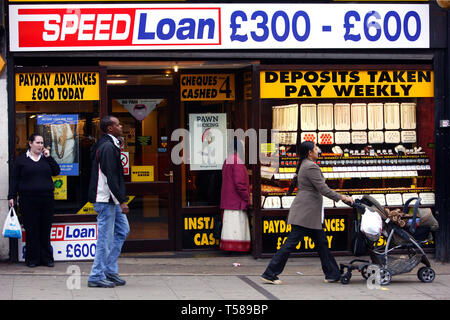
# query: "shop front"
183 79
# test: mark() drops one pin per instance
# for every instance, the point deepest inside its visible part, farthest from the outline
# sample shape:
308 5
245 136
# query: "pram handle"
412 228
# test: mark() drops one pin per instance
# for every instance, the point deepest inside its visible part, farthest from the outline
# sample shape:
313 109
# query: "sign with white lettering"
69 241
92 27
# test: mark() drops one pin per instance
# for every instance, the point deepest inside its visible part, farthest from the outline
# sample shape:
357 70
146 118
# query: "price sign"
219 26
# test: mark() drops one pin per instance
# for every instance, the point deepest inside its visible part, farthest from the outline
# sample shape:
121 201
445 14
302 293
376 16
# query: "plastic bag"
371 225
12 228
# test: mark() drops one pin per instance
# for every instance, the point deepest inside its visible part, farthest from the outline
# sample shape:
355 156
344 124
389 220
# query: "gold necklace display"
62 139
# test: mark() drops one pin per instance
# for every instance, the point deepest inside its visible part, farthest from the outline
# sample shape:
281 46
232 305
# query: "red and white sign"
100 27
125 158
69 241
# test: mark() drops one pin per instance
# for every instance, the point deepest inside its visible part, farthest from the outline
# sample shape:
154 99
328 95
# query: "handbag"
12 228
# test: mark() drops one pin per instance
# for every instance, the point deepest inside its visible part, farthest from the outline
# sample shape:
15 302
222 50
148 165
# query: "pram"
410 234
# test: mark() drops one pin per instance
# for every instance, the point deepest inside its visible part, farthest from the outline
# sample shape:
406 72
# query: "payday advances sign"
347 84
144 26
57 86
276 230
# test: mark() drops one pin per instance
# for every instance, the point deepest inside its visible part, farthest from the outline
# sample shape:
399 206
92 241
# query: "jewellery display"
359 116
360 152
342 137
392 136
408 115
284 118
325 116
308 118
309 136
375 116
342 116
326 138
359 137
394 199
392 116
376 137
408 137
60 139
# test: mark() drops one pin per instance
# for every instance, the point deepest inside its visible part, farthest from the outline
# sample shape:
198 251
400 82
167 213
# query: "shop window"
69 129
382 147
210 105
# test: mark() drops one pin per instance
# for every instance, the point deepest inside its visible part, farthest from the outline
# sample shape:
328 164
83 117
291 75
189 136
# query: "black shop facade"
366 82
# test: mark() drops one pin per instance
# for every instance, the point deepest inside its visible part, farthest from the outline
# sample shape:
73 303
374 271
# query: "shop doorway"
145 106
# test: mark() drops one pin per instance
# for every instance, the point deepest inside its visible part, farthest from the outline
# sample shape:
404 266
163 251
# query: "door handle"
170 175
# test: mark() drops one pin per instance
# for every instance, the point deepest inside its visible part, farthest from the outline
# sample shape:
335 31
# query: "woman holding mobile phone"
31 180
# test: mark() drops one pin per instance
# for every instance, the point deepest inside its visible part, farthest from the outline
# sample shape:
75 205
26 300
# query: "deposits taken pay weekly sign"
347 84
143 26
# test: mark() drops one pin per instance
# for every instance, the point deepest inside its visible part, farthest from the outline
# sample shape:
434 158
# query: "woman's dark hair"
31 139
304 148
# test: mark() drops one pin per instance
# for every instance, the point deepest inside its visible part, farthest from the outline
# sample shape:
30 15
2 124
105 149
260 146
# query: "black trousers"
278 262
37 214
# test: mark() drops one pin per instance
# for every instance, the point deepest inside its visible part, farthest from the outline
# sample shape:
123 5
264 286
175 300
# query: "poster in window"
60 135
208 140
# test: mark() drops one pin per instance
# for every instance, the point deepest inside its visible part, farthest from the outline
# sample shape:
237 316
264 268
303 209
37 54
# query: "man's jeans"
112 230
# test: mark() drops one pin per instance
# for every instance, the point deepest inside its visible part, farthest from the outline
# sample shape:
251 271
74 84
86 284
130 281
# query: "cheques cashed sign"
276 231
143 26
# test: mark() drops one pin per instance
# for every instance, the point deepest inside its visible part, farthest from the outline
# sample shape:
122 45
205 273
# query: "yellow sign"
196 87
142 173
88 208
2 64
268 147
347 84
57 86
60 183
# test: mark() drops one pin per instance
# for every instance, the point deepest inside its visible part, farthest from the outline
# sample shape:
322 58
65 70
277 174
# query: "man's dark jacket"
107 154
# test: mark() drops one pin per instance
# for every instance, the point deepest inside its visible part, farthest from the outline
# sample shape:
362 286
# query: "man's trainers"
101 284
271 281
118 281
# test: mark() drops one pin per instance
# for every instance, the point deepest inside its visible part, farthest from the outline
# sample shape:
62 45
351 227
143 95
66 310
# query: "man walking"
107 193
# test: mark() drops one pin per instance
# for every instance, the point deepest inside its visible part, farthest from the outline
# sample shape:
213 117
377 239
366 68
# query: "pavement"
211 276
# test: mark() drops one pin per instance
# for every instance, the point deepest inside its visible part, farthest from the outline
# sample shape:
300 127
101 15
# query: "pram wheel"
426 274
345 278
365 274
385 277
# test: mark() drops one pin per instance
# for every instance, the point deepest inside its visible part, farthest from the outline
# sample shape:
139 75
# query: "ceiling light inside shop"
116 81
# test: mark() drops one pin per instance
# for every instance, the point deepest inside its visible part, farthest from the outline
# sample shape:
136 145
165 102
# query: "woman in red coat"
235 198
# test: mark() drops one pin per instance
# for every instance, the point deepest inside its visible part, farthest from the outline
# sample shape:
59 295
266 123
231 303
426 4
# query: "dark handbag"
217 227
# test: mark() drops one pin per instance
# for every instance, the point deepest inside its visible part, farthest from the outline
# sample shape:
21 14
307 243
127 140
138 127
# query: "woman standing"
235 198
306 217
31 179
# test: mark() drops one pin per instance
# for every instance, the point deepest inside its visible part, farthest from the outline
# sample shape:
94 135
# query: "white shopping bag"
11 228
371 225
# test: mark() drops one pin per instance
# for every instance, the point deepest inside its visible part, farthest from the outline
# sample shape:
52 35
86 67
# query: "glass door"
145 117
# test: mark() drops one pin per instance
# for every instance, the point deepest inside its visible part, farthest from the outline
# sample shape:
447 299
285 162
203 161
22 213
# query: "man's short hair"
105 122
